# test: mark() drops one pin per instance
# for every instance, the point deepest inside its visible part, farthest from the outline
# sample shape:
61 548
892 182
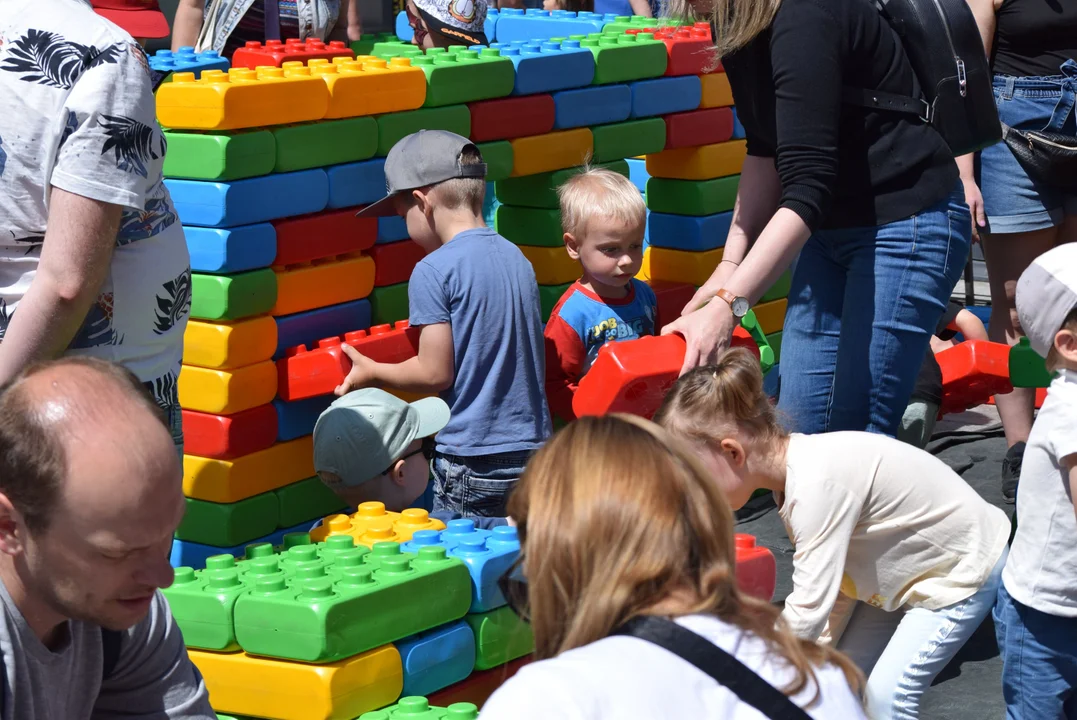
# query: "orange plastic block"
972 372
242 98
275 53
634 376
552 265
224 392
479 686
224 345
553 151
227 481
771 315
716 91
703 162
372 523
757 573
262 687
323 282
366 85
681 266
306 373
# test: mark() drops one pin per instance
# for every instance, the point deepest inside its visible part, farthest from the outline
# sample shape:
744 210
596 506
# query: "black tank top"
1034 37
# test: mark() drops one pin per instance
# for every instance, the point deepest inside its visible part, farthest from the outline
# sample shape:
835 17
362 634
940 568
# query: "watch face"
740 306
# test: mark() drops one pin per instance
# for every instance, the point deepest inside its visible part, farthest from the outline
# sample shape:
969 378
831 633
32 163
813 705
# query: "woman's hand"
975 200
710 288
707 332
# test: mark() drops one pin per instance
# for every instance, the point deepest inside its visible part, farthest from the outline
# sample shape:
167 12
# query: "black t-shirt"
840 165
1034 37
929 382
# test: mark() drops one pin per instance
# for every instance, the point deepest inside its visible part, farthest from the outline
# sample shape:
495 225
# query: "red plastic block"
671 297
276 53
325 234
393 262
634 376
756 572
699 127
479 686
308 373
511 117
972 372
224 437
690 49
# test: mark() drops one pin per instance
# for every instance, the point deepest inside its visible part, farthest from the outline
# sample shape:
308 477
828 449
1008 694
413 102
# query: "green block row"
540 227
498 156
500 637
326 142
389 304
456 74
629 139
780 289
366 42
640 22
393 126
623 58
540 191
231 297
692 197
548 297
419 708
775 340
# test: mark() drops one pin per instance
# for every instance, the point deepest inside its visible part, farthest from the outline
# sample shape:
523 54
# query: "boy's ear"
396 473
572 246
1066 344
422 200
733 451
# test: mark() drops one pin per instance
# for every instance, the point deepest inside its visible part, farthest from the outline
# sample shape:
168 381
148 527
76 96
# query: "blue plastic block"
254 200
392 228
613 7
687 232
307 328
665 95
359 183
437 658
296 419
487 554
186 60
772 382
514 24
543 67
637 173
403 27
738 129
231 250
596 105
193 555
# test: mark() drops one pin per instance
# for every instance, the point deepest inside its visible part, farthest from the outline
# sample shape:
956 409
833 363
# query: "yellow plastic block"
324 282
552 151
366 85
371 523
552 265
226 481
223 392
225 345
261 687
716 91
644 274
771 315
702 162
240 98
680 265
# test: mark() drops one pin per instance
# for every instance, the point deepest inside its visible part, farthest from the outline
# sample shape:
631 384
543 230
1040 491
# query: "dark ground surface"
970 687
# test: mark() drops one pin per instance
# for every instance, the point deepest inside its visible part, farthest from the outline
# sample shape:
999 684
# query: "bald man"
90 494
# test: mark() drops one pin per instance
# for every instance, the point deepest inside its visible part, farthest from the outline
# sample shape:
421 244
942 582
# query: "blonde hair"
619 519
463 192
599 193
736 22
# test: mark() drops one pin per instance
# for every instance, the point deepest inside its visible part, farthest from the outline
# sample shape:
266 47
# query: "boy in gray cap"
1036 612
475 297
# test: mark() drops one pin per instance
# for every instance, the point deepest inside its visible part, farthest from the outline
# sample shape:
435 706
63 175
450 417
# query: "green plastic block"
548 297
326 142
629 139
366 42
388 49
458 75
692 197
775 341
766 352
540 191
539 227
623 58
500 637
393 126
640 22
305 500
419 708
328 612
227 524
779 289
230 297
1027 368
389 304
498 158
219 156
203 601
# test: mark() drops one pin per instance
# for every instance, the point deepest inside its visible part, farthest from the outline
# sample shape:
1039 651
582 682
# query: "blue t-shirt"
485 288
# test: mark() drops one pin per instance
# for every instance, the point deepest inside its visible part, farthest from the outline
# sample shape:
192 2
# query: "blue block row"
596 105
404 32
738 129
297 418
358 183
665 95
187 60
254 200
514 24
193 555
307 328
637 173
437 658
543 67
687 232
231 250
772 383
392 229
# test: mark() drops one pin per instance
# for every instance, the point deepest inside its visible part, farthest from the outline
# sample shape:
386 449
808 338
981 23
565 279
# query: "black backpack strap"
716 662
878 100
110 645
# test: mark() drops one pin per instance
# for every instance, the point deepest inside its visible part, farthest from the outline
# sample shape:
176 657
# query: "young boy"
1036 613
603 216
370 445
475 297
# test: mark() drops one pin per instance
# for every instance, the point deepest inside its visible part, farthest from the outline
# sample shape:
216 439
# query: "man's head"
91 491
1047 306
370 445
441 23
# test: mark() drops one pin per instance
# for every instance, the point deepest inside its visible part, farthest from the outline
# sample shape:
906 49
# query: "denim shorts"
476 486
1014 202
174 415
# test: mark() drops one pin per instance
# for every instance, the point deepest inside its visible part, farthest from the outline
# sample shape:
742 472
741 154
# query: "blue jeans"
862 307
174 415
476 486
1039 661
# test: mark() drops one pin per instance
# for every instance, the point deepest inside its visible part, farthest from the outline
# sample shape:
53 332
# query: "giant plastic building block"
624 58
548 66
306 328
262 687
639 23
690 49
365 44
393 262
771 315
322 282
680 266
540 191
738 129
672 298
548 297
305 501
665 95
187 60
242 202
225 437
326 142
392 229
358 183
371 523
637 172
775 341
518 25
972 372
1027 367
227 524
437 658
203 603
225 481
488 556
458 75
500 159
231 250
779 289
479 686
420 707
500 636
325 234
226 391
596 105
229 345
686 232
275 53
511 117
394 126
552 265
628 139
538 227
756 570
194 555
389 304
699 163
296 419
716 91
552 151
692 197
367 85
219 155
306 373
241 98
698 127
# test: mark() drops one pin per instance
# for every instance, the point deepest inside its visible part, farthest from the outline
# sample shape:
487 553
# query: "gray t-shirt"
153 679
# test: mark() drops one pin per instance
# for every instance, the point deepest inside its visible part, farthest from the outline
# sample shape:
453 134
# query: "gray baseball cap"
363 433
1046 294
423 158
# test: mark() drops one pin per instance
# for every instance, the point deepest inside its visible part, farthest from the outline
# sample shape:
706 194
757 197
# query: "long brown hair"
618 519
736 22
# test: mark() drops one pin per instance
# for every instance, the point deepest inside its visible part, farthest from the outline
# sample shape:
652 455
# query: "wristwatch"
737 303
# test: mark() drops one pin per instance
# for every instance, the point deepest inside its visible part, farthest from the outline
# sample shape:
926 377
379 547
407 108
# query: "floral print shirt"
79 115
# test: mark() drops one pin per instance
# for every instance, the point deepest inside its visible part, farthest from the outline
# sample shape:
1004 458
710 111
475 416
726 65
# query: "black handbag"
1049 158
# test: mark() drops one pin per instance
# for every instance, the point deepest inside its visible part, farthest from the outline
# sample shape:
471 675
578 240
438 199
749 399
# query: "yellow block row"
701 162
228 481
372 523
716 91
679 266
552 265
226 345
553 151
223 392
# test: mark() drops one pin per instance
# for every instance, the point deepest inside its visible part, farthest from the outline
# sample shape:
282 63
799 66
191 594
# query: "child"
897 560
475 297
370 445
441 23
603 216
1036 614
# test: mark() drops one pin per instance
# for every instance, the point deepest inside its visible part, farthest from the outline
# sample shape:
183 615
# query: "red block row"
690 49
511 117
972 372
393 262
229 436
325 234
671 298
698 127
275 53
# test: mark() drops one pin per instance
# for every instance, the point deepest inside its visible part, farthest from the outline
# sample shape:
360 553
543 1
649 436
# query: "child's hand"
362 374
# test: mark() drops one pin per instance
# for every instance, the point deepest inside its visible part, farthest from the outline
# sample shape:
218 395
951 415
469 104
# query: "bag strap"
716 662
879 100
272 19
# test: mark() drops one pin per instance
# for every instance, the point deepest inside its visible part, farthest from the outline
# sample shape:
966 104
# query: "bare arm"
1070 463
75 258
641 7
970 326
349 26
188 23
430 371
984 12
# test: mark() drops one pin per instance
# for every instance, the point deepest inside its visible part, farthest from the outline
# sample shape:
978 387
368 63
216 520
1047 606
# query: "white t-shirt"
79 114
1041 571
625 678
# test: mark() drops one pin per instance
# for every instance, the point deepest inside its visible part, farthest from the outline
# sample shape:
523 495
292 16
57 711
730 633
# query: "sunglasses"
427 449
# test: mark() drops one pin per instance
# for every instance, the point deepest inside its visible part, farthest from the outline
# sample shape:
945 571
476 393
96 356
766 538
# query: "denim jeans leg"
174 415
447 483
490 481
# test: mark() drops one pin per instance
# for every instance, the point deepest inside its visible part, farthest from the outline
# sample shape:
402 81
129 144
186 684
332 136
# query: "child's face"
610 252
727 473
